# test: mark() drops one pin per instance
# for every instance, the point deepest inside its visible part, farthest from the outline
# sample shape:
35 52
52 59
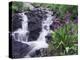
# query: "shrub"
65 39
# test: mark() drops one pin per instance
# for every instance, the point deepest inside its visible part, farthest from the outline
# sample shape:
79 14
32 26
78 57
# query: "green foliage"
62 9
16 6
65 39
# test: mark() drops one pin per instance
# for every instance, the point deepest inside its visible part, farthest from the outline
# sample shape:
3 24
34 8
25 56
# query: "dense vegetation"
65 37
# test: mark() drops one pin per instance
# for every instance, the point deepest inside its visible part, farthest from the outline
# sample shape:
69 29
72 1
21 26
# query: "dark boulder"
33 35
19 50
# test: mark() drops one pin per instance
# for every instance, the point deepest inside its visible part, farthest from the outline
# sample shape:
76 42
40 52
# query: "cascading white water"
22 32
25 26
41 41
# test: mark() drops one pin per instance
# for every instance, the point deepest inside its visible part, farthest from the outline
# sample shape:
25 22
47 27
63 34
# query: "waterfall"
21 35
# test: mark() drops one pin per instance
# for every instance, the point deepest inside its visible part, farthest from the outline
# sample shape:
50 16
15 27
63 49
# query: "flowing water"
21 35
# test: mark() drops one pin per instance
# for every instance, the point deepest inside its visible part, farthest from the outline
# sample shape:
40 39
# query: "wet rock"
19 50
48 37
32 26
33 35
55 25
16 22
